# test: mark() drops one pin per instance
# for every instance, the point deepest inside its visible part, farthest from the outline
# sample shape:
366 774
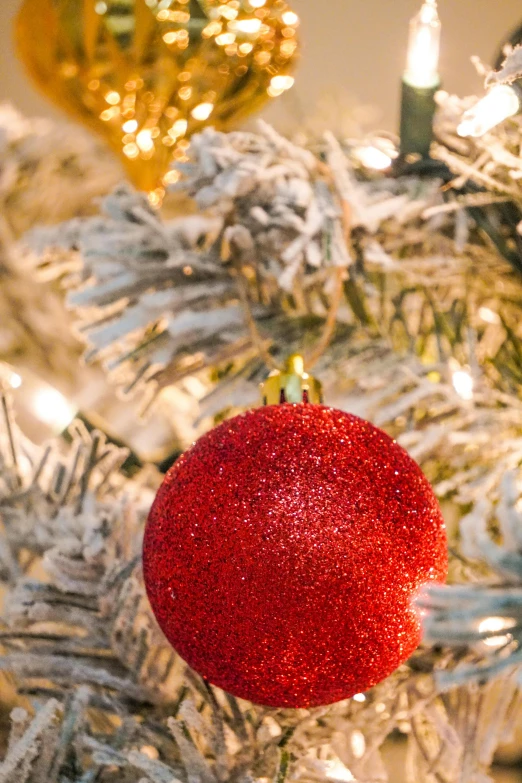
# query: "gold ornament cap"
292 384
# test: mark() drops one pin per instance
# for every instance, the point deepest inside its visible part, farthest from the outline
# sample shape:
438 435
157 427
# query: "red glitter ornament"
283 553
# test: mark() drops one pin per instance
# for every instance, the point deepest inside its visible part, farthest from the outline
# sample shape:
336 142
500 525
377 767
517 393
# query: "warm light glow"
373 158
131 150
109 114
279 84
213 28
288 48
257 3
179 128
336 771
202 111
225 39
144 140
171 177
100 8
500 103
358 744
463 384
359 697
113 97
156 197
130 126
493 624
170 37
488 315
289 17
150 751
424 47
227 12
14 380
246 25
52 408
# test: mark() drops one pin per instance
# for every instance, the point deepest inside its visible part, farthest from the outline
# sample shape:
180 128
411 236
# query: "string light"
358 744
424 47
52 408
488 315
463 384
336 771
14 380
494 624
501 102
373 158
420 82
360 697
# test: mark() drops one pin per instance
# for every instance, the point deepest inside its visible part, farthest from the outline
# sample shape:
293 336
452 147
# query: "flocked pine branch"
158 300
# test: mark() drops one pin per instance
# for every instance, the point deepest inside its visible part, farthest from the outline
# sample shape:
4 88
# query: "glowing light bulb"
493 624
52 408
336 771
488 315
373 158
424 47
130 126
463 384
14 380
501 102
358 744
360 697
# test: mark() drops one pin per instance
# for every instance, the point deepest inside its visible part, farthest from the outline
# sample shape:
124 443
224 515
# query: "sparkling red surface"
283 551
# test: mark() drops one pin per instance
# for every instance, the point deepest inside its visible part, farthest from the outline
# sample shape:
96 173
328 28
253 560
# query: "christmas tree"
394 269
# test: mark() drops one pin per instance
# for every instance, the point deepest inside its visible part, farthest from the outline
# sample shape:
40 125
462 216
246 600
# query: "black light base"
417 112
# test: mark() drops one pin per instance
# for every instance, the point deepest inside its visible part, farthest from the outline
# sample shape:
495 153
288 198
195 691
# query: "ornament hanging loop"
292 384
263 346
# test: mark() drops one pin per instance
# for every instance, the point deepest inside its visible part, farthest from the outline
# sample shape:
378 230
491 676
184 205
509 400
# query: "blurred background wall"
353 54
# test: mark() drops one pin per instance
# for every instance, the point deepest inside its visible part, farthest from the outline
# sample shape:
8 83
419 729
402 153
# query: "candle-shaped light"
422 69
421 81
501 102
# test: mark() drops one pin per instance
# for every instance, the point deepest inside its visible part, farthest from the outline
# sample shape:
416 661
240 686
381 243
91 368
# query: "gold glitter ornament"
147 74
